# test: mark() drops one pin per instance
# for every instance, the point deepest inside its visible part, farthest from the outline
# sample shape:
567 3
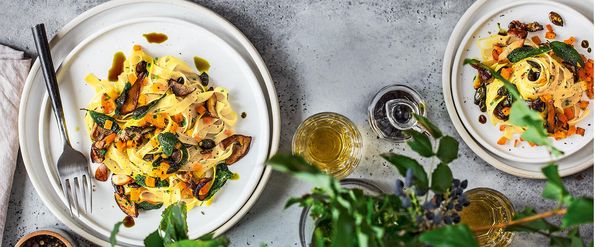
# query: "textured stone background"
323 56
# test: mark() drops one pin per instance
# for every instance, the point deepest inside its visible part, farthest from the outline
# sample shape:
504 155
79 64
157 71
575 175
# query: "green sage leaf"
402 163
420 143
567 53
429 126
441 178
450 236
448 149
580 211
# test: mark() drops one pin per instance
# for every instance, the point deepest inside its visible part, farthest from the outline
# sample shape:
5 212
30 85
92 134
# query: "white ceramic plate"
567 166
186 40
462 78
86 25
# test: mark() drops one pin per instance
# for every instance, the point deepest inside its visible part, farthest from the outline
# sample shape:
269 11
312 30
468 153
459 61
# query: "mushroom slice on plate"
241 145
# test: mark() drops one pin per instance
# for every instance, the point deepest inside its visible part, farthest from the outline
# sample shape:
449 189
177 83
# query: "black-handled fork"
72 165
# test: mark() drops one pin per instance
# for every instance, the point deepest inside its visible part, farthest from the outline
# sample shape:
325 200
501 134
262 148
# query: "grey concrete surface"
323 56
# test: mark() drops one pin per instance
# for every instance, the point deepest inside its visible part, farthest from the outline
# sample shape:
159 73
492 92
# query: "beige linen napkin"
14 68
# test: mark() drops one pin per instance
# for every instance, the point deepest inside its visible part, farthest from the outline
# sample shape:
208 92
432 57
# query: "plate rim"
228 27
447 62
456 69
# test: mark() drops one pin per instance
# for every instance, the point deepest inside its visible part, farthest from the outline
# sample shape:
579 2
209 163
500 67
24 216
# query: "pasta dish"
164 132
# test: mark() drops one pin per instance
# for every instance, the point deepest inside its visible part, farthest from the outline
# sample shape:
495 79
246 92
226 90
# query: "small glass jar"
488 208
391 112
307 224
330 142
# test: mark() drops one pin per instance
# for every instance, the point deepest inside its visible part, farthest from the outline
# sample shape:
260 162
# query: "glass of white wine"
329 141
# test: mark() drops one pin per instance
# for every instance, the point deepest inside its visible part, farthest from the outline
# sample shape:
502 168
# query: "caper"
556 19
533 75
207 144
204 79
480 95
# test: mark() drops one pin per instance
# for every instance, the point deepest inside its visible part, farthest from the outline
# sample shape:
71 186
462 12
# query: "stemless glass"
307 224
488 208
329 141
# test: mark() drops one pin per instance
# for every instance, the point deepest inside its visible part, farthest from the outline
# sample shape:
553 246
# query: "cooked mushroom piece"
101 173
134 133
179 89
97 155
211 102
121 179
128 207
131 98
201 188
241 145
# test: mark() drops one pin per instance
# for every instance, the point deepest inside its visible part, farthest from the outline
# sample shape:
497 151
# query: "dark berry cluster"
441 209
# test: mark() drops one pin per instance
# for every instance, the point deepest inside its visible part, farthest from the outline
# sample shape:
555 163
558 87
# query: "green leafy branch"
173 231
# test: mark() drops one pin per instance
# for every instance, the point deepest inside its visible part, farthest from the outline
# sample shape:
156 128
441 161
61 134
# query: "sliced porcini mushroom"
99 133
101 173
186 177
97 155
128 207
200 189
179 89
121 179
131 101
241 145
211 102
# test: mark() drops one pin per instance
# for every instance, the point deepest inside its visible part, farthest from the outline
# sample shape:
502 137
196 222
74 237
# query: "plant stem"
535 217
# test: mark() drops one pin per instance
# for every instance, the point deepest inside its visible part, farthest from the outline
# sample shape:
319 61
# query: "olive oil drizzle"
202 65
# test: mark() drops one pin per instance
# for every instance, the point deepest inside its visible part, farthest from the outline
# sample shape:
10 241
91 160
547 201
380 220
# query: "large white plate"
567 166
84 26
462 76
186 40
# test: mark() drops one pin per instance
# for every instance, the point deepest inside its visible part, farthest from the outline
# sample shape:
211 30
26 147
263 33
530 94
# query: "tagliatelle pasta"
164 133
552 77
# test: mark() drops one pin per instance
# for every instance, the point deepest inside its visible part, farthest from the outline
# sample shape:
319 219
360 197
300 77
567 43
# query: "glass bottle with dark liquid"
391 112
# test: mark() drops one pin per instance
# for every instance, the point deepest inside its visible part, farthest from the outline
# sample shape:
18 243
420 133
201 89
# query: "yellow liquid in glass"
488 208
330 142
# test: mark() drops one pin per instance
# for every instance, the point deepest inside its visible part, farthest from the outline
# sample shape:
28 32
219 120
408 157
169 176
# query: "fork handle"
49 74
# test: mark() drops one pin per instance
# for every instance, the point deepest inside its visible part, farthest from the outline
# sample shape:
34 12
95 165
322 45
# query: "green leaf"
222 174
450 236
148 206
153 240
140 112
567 53
115 230
557 241
168 142
343 230
140 180
521 53
448 149
441 178
532 226
100 119
216 242
173 226
420 143
579 212
554 188
300 168
402 163
429 126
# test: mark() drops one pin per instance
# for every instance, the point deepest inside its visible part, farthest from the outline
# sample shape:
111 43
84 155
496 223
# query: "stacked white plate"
86 45
479 21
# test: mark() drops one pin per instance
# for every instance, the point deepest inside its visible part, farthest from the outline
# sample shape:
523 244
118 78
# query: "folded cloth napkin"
14 68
